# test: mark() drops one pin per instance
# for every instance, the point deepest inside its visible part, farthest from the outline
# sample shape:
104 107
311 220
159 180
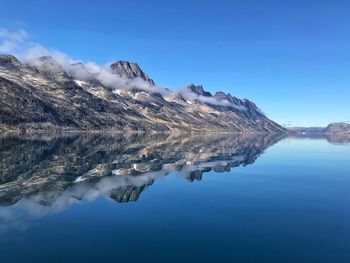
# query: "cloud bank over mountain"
17 43
46 88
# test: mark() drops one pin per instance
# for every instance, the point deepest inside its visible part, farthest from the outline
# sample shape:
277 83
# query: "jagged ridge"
43 95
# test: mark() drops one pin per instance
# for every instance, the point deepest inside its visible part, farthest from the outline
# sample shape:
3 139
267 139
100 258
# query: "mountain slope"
338 127
46 95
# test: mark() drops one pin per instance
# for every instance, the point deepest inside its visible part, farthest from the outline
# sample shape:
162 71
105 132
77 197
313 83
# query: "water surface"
174 198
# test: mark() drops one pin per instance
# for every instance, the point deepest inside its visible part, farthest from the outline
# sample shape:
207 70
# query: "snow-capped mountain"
45 94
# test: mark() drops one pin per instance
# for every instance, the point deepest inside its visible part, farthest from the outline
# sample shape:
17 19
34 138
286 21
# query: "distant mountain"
307 130
48 95
338 127
332 128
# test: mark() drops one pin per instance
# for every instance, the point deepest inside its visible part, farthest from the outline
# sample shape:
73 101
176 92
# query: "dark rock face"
128 193
45 96
223 96
9 61
130 70
198 89
338 127
45 169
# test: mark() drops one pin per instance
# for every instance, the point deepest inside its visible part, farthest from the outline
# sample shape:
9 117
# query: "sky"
292 58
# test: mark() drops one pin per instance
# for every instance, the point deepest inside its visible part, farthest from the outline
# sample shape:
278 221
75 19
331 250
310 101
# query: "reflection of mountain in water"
334 138
53 171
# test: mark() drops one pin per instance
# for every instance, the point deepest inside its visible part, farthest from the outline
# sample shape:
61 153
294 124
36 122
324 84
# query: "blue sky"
292 58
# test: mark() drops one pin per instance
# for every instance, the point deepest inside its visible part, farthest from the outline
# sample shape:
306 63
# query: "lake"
174 198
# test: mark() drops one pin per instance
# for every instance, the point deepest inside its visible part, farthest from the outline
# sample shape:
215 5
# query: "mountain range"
45 94
332 128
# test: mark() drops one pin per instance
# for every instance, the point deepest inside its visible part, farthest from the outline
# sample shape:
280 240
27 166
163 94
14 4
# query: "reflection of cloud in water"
42 175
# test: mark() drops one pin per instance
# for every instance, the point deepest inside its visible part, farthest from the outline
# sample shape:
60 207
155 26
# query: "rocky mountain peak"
223 96
54 97
79 71
46 58
198 89
130 70
219 94
47 64
9 60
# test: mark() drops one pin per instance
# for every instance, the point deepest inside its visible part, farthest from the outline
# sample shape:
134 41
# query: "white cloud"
17 44
190 96
88 69
10 41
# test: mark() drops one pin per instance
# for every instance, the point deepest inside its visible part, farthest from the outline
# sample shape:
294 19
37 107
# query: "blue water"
283 201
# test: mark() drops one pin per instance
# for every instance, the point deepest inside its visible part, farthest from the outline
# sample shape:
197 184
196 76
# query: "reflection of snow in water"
68 170
34 206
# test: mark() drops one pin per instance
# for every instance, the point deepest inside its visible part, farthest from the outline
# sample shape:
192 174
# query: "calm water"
174 198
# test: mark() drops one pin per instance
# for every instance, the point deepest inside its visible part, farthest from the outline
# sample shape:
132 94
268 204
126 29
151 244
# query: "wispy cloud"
18 43
10 41
102 73
190 96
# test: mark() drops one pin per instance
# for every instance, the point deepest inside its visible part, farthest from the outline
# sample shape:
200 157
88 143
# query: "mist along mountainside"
44 94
